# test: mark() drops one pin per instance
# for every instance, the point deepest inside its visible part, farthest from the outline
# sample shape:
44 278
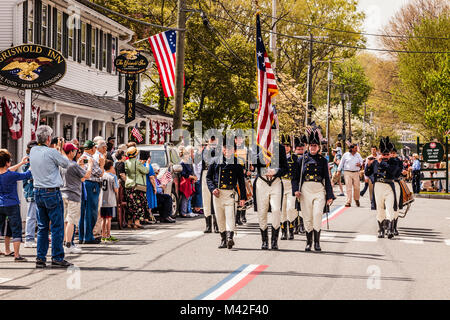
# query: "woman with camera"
136 188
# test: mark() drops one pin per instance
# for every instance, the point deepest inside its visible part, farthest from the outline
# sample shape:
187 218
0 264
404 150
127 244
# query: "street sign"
31 66
131 62
433 152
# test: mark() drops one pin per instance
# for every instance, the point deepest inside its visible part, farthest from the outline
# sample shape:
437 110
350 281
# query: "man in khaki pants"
351 163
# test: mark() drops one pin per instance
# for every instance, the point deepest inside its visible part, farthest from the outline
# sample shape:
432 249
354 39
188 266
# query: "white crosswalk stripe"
447 242
189 234
3 280
366 238
411 240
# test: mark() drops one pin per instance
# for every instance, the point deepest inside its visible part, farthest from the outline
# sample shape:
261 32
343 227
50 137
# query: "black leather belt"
384 180
48 189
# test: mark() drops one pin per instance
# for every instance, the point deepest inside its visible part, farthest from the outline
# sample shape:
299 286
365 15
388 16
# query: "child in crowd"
110 188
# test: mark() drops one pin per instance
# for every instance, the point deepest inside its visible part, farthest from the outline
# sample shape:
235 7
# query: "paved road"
178 261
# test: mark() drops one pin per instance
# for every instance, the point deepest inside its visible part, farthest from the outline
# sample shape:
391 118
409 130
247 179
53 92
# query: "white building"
87 101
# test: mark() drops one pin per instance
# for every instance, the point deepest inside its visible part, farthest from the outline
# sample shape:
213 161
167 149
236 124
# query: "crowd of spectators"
74 191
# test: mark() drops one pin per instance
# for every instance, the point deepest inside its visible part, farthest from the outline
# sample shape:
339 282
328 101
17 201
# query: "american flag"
166 178
267 88
135 132
164 48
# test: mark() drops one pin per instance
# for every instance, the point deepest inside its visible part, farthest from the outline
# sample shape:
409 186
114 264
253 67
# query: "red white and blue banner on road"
232 283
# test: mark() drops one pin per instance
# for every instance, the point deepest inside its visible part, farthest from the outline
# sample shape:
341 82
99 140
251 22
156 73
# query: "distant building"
88 101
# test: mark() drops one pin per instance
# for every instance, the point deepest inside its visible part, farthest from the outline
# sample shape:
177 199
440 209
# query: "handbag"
138 187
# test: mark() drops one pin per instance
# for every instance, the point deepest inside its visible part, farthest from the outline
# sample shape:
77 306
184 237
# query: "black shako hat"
314 137
230 144
385 145
285 140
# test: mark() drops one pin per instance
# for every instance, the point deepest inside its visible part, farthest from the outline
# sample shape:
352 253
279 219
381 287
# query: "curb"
433 196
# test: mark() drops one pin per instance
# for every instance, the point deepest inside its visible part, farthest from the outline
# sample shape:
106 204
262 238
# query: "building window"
30 28
71 43
44 25
59 31
83 41
93 46
104 50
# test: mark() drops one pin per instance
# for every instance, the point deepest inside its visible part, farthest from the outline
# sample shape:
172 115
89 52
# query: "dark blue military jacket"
315 168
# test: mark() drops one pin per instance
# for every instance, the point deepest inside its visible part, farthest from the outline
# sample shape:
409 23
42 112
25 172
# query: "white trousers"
312 201
397 195
384 197
288 211
224 207
268 195
206 196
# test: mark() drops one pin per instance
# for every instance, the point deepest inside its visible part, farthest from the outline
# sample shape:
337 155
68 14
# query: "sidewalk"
433 195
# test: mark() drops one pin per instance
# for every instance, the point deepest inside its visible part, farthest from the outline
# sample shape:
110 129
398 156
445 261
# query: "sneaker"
30 244
72 249
111 238
61 264
104 239
40 263
341 195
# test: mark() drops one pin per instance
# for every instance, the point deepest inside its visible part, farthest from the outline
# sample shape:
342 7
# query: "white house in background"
88 101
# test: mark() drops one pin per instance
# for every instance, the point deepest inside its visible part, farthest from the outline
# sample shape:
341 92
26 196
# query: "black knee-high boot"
380 229
283 226
243 219
274 241
309 238
216 227
238 217
265 239
208 224
317 240
395 227
291 230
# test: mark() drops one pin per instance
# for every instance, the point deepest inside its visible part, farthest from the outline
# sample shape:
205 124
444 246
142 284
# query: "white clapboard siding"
90 80
6 23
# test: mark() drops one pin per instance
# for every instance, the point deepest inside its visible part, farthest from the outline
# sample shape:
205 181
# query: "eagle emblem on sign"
27 69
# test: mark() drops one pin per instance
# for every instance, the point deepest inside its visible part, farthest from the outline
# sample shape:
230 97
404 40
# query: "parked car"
166 156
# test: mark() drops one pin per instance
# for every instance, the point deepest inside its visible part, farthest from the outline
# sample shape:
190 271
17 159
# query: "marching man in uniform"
299 143
398 192
241 154
384 170
311 184
288 211
222 178
208 153
268 190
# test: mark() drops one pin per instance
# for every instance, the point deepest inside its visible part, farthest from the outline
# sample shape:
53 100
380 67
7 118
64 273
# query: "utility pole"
179 68
349 110
343 118
309 83
330 78
364 122
309 89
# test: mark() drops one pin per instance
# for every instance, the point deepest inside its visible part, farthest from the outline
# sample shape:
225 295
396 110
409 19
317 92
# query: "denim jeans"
50 211
184 205
30 228
197 196
89 211
15 221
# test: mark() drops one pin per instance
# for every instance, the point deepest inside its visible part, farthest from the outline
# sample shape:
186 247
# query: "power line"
88 3
347 31
330 43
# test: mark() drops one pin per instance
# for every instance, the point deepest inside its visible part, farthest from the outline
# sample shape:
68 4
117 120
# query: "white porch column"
26 130
147 131
91 129
58 124
75 128
125 135
116 131
104 130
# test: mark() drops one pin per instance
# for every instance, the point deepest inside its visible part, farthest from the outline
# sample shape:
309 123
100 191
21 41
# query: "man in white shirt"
351 163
